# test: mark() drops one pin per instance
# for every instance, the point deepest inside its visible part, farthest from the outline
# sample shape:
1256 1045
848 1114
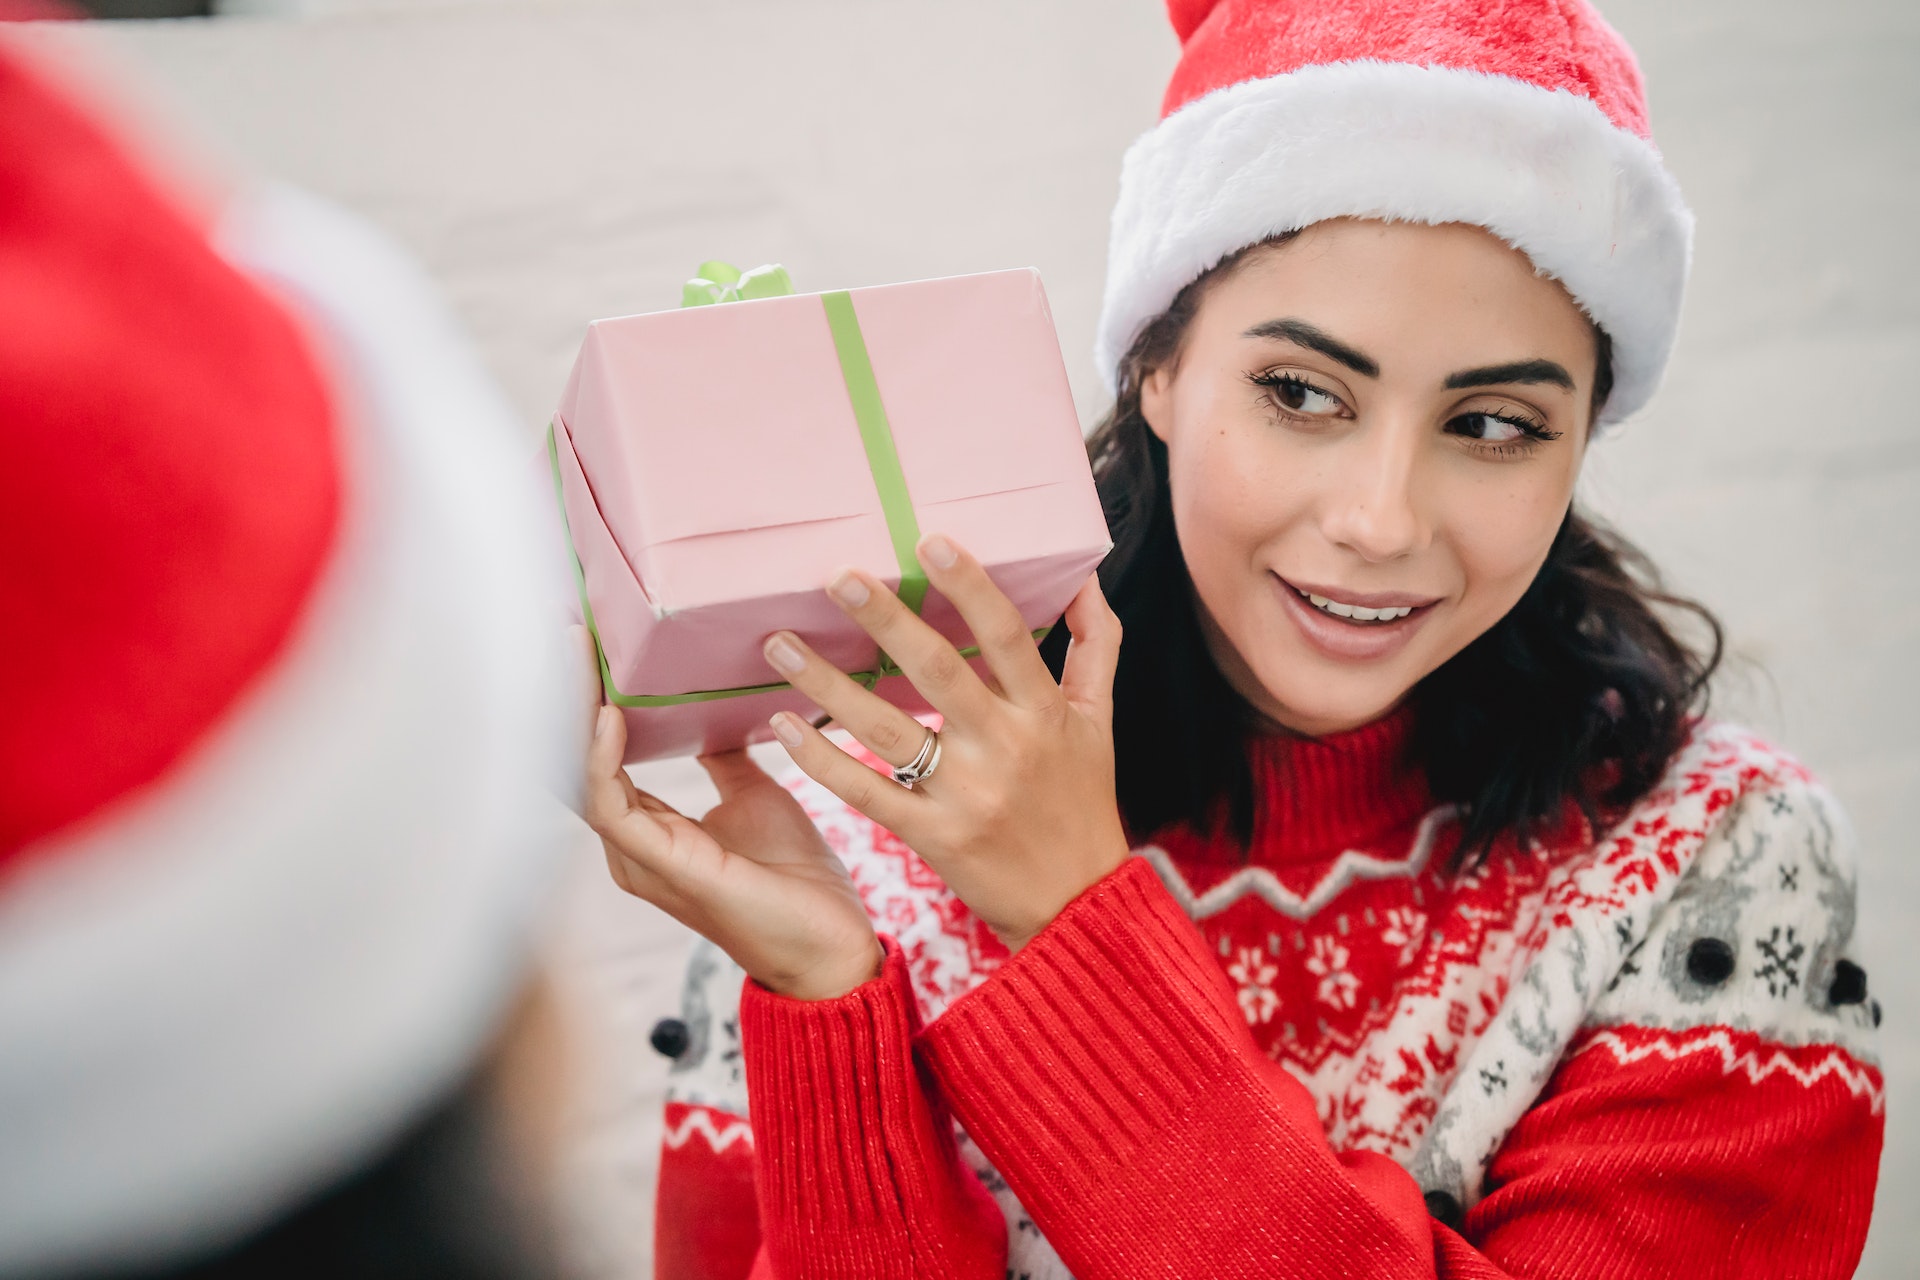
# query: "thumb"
1094 653
613 802
733 772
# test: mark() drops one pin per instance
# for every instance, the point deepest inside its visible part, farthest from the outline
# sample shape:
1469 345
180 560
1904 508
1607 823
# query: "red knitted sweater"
1641 1052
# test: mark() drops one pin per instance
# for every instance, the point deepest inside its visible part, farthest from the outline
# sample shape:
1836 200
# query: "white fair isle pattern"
1253 976
1756 1064
1384 1095
1377 1076
1601 909
1349 868
1774 899
1546 955
948 952
710 1071
701 1122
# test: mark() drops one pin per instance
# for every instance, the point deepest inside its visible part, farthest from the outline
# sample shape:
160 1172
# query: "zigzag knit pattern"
1338 1055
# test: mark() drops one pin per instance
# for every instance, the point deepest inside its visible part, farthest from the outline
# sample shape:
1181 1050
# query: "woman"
1381 906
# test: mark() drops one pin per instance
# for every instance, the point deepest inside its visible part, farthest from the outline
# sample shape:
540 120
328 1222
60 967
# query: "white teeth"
1358 613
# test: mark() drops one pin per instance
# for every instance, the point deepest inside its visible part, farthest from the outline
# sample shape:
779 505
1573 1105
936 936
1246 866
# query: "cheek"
1231 500
1500 540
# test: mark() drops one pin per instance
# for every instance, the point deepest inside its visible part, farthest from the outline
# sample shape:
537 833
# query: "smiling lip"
1349 641
1365 599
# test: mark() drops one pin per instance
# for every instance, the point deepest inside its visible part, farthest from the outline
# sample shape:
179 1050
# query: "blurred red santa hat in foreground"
280 700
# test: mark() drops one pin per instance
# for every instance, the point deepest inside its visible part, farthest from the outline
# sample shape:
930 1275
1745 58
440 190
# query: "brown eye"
1487 427
1296 396
1496 428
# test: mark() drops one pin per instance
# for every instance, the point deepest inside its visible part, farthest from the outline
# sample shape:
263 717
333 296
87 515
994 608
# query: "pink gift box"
714 475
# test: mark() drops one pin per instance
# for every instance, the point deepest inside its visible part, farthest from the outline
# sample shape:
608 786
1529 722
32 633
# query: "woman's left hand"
1020 816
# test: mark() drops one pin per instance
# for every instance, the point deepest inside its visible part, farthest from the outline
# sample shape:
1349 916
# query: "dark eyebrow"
1519 371
1300 333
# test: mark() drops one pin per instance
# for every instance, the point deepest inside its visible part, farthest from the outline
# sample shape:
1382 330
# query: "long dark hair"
1582 694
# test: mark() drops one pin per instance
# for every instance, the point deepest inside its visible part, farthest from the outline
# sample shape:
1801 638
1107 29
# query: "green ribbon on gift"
719 282
877 436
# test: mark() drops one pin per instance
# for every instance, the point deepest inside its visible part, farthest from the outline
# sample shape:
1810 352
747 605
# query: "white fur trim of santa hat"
1591 204
226 992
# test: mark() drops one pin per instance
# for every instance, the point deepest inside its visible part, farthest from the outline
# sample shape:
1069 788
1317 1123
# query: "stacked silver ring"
921 767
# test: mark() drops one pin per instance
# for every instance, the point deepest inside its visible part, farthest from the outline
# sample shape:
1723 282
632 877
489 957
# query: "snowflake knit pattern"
1584 1056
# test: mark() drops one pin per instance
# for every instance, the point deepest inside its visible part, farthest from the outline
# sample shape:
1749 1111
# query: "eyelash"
1274 381
1533 433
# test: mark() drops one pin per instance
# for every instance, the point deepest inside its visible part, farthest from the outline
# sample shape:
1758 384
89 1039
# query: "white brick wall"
556 162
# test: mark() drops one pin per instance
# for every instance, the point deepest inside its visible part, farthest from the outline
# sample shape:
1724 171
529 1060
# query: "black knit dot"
1710 961
1444 1208
1849 984
1875 1006
670 1037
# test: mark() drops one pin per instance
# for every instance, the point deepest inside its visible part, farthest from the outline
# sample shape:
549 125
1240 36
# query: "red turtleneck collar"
1315 798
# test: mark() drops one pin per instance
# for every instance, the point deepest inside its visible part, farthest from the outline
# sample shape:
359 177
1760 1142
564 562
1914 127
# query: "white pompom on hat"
1526 117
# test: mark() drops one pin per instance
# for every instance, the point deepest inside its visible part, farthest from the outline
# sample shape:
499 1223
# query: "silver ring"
921 767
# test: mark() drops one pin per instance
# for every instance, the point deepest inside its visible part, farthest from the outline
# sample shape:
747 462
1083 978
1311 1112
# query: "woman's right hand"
754 875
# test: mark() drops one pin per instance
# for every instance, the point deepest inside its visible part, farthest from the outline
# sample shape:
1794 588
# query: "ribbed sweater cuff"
1107 1073
856 1170
1096 1033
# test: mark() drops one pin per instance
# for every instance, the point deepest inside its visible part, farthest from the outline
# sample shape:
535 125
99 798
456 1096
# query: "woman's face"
1373 432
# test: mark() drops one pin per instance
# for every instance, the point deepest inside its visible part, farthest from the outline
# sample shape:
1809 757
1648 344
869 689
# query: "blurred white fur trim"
1591 204
244 980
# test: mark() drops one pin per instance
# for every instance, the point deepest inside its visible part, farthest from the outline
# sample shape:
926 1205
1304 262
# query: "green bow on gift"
724 282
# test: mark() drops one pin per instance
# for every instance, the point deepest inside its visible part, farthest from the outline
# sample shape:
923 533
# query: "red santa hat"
277 698
1526 117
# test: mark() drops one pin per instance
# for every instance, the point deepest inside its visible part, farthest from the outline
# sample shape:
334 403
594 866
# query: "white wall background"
554 162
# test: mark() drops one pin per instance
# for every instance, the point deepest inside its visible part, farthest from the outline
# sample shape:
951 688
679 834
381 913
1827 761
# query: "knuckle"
970 835
887 737
1010 632
990 802
882 614
862 793
944 667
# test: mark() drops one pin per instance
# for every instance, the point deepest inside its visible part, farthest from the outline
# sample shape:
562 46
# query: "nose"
1374 505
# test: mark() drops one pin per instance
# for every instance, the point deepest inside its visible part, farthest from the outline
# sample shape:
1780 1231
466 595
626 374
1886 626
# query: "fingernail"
784 655
786 728
600 722
936 550
848 589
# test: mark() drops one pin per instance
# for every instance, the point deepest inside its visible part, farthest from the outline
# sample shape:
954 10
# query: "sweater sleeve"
706 1221
1108 1075
856 1166
706 1224
1721 1098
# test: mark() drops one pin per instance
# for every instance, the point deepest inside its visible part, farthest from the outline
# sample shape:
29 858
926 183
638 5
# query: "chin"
1318 707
